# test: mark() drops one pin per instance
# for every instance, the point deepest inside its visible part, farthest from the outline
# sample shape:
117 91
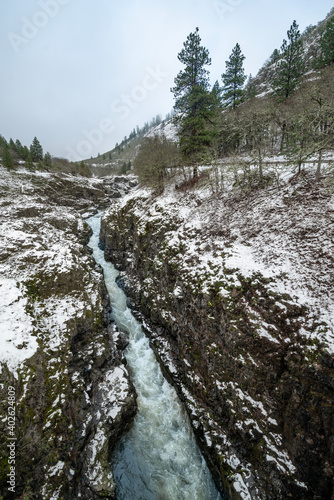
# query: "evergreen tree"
36 150
19 149
250 89
290 67
3 141
12 145
327 45
7 159
28 162
25 153
234 78
47 160
194 103
274 56
217 93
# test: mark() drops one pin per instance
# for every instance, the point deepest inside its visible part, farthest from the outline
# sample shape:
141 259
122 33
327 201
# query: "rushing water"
158 459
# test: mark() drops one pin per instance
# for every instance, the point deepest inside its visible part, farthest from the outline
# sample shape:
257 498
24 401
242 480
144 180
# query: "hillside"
120 159
230 267
261 125
60 357
236 292
311 47
227 260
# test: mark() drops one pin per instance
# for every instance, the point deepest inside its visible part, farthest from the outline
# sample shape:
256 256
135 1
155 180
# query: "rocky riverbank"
238 296
63 380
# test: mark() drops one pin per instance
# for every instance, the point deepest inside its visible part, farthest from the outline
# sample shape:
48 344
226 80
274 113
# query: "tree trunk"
283 136
260 165
318 171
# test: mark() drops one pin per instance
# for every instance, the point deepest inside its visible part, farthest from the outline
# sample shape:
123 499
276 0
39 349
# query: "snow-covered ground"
167 129
51 298
39 252
283 233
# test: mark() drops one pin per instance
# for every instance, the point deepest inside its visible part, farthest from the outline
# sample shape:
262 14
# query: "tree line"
30 155
224 120
139 131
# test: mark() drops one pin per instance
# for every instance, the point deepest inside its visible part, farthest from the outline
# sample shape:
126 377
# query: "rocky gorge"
236 294
66 395
234 291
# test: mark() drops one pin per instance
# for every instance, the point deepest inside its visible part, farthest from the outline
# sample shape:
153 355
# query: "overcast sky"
81 74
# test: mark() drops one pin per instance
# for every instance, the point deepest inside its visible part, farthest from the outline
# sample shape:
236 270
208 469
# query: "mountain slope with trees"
227 254
14 155
317 45
236 290
291 121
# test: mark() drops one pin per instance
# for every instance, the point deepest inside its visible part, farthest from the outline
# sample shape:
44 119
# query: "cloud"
82 56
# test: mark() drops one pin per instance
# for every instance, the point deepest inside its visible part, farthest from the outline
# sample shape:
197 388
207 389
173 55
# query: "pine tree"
217 93
234 78
250 89
47 160
28 162
3 141
36 150
25 153
7 159
194 103
290 67
326 45
12 145
274 56
19 149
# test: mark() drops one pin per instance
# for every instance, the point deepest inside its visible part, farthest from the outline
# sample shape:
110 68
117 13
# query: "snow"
280 248
278 244
56 469
50 290
17 342
167 129
96 472
114 390
59 312
240 487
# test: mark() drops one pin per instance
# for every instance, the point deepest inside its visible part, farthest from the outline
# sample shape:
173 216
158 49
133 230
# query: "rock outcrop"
65 391
237 297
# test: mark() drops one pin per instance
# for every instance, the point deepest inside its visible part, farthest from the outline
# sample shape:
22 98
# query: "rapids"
158 459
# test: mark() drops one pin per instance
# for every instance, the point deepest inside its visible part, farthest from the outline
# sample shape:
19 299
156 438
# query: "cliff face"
237 296
65 392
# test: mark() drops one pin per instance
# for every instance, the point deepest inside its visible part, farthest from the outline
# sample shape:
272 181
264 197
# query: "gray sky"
81 74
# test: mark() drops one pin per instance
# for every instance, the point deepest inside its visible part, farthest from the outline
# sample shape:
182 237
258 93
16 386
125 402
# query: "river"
158 459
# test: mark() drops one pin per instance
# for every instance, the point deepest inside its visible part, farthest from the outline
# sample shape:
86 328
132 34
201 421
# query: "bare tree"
156 157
